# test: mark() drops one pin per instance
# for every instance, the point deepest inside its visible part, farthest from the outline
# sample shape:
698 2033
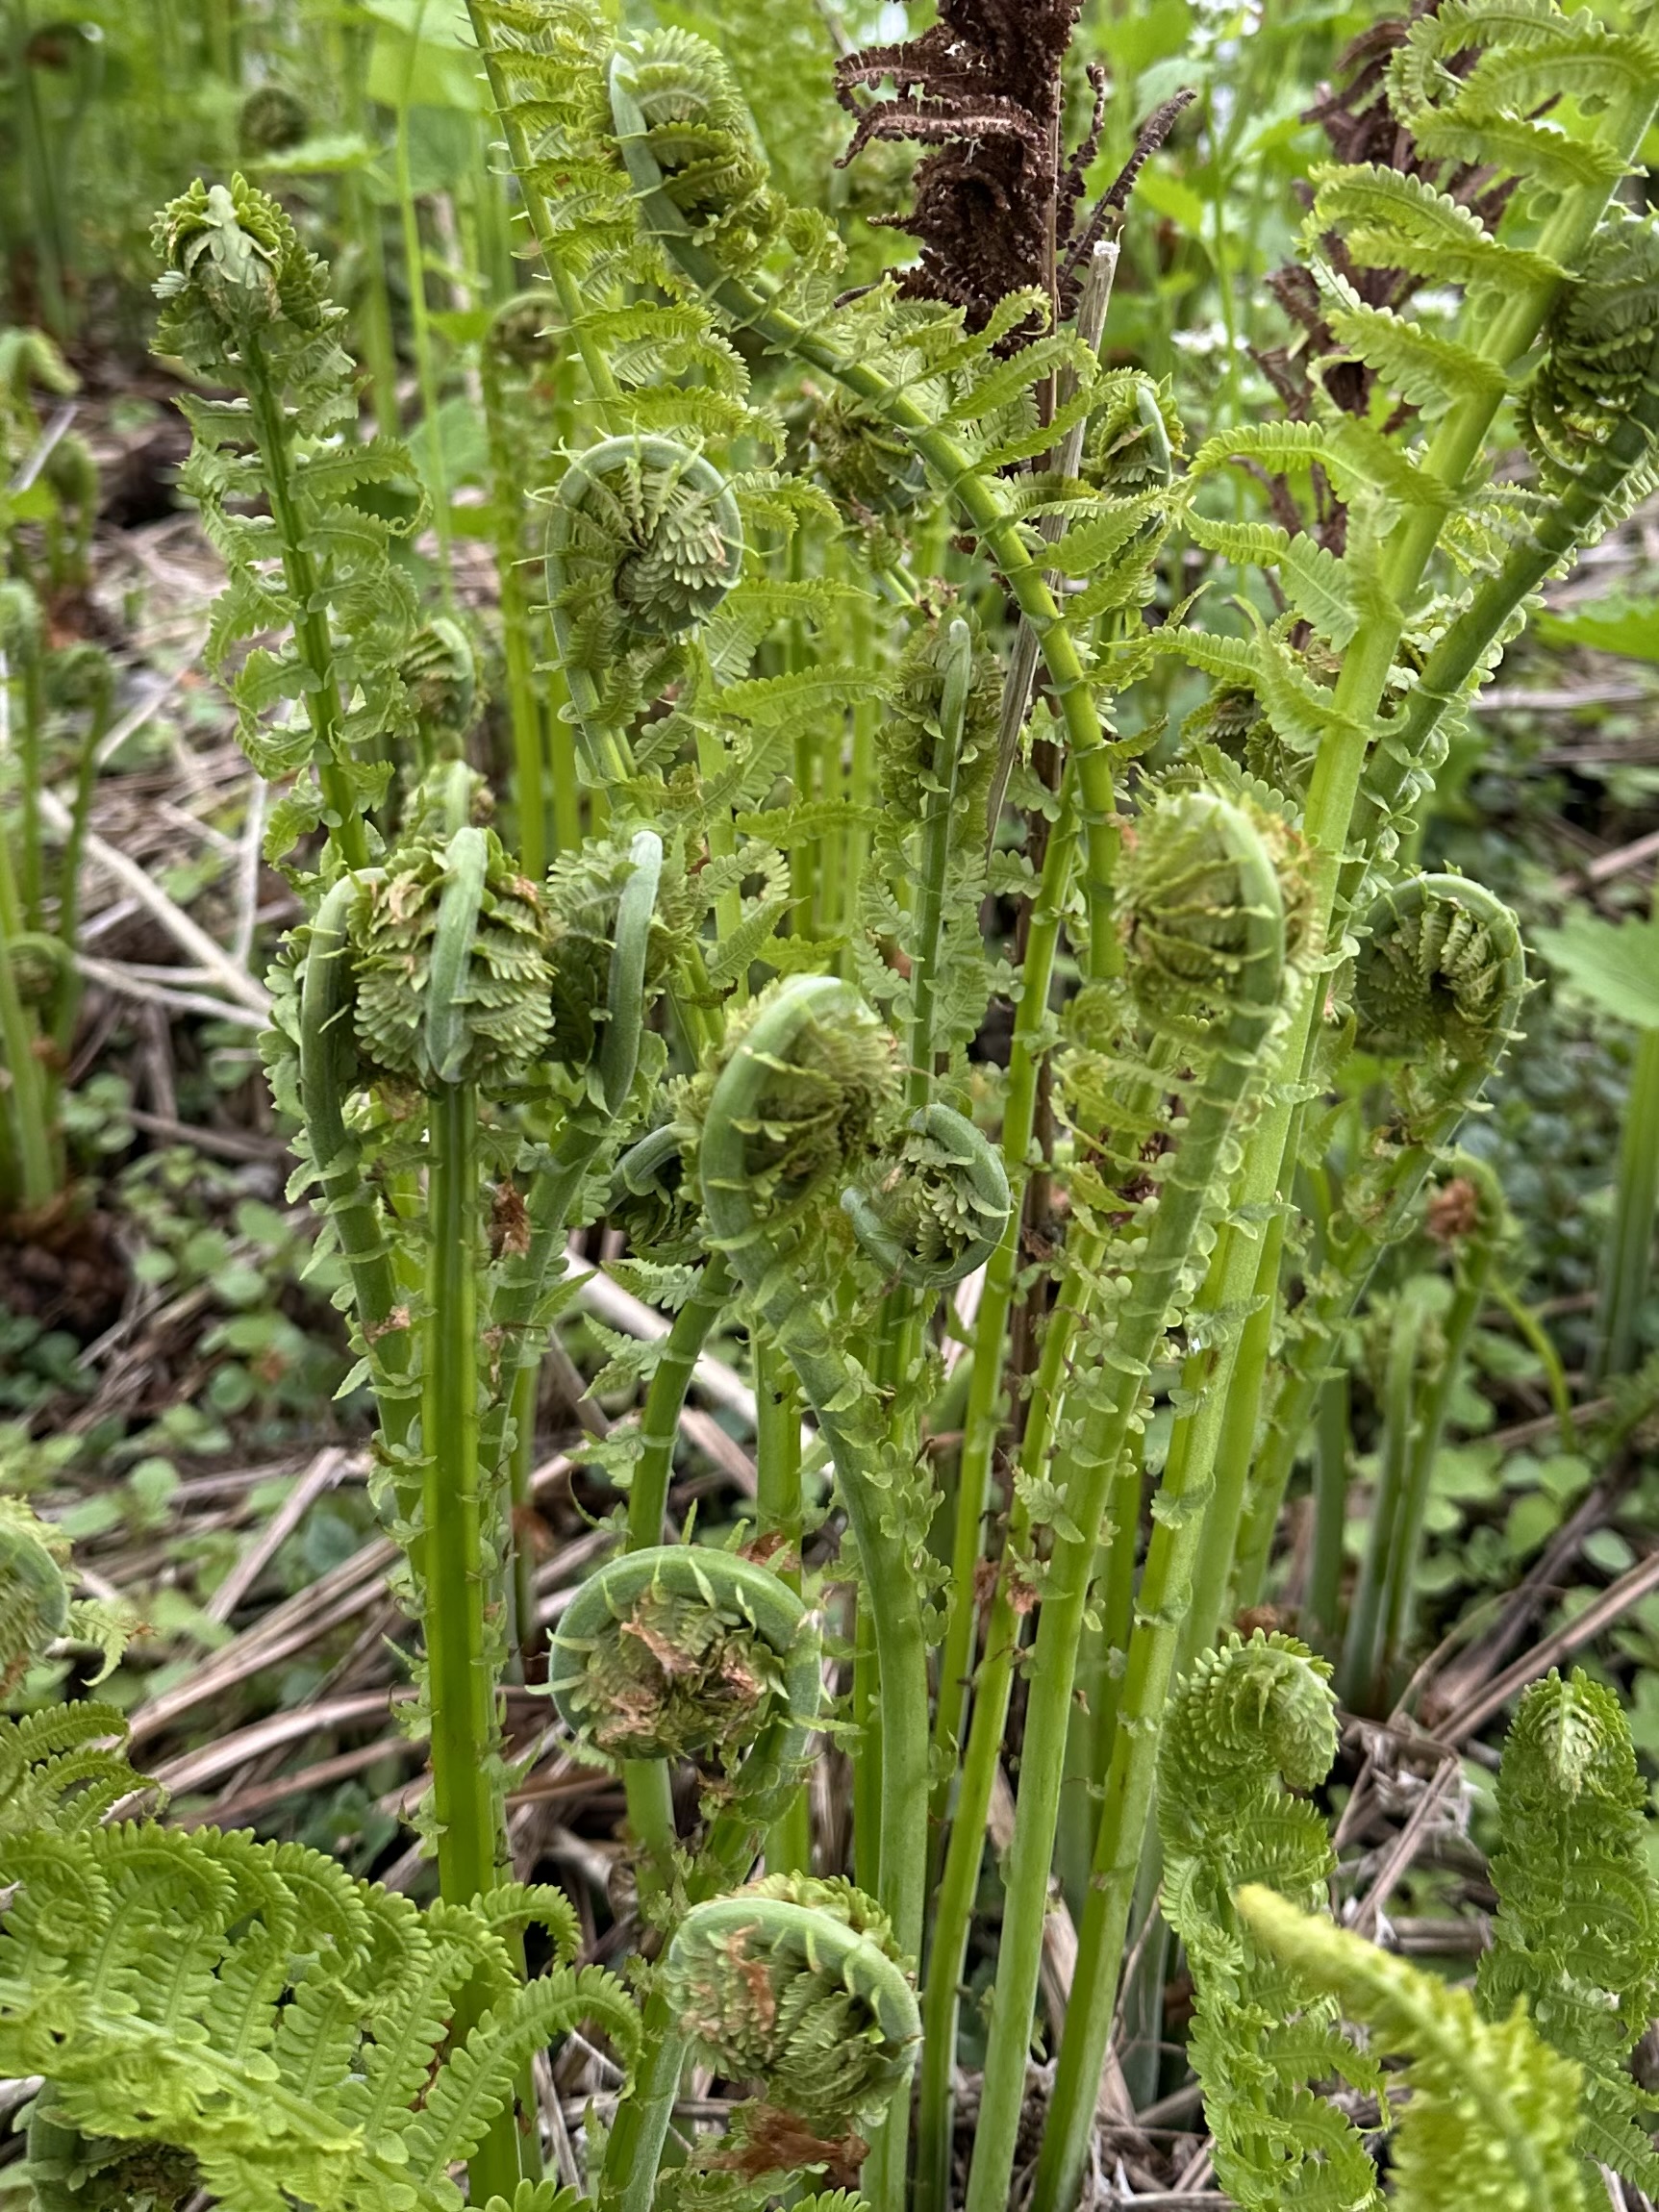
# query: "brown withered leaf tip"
772 2141
995 200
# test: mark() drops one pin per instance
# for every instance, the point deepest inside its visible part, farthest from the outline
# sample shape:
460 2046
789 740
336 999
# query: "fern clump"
490 973
1577 1932
1251 1723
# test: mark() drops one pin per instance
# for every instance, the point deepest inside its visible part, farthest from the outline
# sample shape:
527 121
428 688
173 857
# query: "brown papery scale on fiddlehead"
676 1680
761 2004
504 994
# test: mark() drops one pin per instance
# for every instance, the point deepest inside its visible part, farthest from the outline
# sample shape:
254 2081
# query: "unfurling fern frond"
936 1205
62 1768
1576 1933
1489 2123
682 1651
36 1607
1601 340
701 137
245 303
450 953
1438 986
796 1984
1250 1725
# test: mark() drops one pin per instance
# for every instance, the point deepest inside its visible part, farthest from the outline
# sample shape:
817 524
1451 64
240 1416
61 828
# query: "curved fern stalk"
680 1651
1489 2123
244 302
1206 956
792 1981
517 1308
1577 1932
789 1114
1406 744
643 542
1438 988
1250 1725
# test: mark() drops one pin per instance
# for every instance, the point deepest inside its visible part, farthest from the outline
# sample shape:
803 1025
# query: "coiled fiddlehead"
1490 2121
453 979
1437 990
1437 986
680 1651
1251 1723
1576 1933
936 1210
701 137
35 1608
791 1982
643 542
1600 342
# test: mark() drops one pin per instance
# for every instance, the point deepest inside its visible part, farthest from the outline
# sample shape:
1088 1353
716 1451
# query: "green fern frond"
1389 219
1252 1722
1493 2111
1577 1932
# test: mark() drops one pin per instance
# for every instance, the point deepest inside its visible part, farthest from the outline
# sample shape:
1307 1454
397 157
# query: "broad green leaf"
1616 963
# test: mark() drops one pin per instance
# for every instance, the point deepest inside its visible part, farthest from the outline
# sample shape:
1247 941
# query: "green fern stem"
1187 1196
646 1783
466 1763
28 1119
935 823
1627 1255
958 1882
778 1519
311 632
523 705
1363 1652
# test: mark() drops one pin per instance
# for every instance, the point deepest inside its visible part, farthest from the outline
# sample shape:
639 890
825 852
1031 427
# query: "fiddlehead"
1489 2123
36 1607
700 136
1437 988
1437 991
1576 1933
244 302
681 1651
937 1205
1250 1725
793 1982
643 542
450 950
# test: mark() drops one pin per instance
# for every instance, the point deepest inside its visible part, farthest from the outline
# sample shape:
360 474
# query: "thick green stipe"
681 1651
1205 929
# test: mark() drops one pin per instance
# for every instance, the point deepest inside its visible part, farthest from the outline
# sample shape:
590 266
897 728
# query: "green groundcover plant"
786 773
